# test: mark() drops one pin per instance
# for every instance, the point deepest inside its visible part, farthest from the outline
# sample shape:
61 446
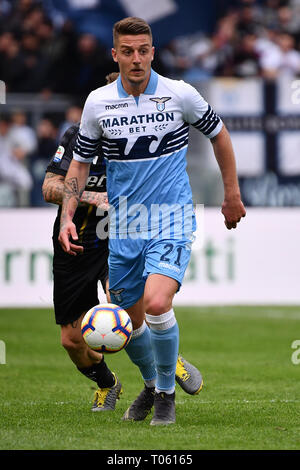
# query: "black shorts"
76 281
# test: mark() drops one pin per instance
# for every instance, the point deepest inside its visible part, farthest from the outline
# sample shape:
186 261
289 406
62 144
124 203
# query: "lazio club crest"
160 102
117 294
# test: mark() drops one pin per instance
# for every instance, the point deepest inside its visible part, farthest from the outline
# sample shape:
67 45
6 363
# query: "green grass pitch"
250 399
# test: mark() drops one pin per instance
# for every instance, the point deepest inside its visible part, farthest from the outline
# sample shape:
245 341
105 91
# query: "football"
106 328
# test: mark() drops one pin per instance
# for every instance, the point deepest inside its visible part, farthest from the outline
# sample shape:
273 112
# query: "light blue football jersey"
144 142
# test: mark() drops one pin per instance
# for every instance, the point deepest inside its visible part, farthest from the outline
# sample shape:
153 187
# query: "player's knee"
72 343
157 305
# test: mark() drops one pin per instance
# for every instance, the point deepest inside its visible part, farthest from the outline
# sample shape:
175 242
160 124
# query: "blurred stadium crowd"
250 39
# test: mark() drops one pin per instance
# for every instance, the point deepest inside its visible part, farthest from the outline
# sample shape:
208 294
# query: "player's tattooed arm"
74 185
71 197
71 189
53 190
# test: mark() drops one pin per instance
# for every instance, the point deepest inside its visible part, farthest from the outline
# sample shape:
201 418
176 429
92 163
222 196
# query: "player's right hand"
66 234
233 210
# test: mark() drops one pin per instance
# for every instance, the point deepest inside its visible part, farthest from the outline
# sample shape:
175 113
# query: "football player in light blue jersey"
141 122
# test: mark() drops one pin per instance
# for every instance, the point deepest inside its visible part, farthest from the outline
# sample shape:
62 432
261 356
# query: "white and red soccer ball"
106 328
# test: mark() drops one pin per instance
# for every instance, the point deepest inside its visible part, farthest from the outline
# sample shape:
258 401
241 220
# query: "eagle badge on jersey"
160 102
117 294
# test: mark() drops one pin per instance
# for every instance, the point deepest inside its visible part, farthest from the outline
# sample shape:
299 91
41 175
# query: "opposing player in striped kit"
141 122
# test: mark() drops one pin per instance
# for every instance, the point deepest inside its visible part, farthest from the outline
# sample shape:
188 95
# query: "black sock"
99 373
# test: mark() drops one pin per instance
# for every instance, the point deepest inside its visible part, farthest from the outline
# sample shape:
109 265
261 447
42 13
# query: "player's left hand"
233 210
66 237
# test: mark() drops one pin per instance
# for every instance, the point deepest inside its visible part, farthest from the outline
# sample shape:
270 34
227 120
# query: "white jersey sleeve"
198 112
88 140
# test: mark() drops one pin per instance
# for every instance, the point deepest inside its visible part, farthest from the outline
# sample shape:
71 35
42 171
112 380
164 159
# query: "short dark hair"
131 25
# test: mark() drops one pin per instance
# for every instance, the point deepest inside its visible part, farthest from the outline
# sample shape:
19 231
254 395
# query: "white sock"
161 322
139 331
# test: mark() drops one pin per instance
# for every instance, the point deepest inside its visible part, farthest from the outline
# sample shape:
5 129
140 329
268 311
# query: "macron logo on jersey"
116 106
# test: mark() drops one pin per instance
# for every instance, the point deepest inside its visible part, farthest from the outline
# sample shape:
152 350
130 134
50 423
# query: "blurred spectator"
249 21
15 179
33 18
270 13
46 35
279 57
11 64
73 116
46 147
175 61
269 53
287 21
61 52
90 66
210 56
17 14
34 64
290 58
204 60
20 134
245 61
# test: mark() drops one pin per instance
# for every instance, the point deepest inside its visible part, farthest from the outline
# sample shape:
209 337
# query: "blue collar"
150 89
